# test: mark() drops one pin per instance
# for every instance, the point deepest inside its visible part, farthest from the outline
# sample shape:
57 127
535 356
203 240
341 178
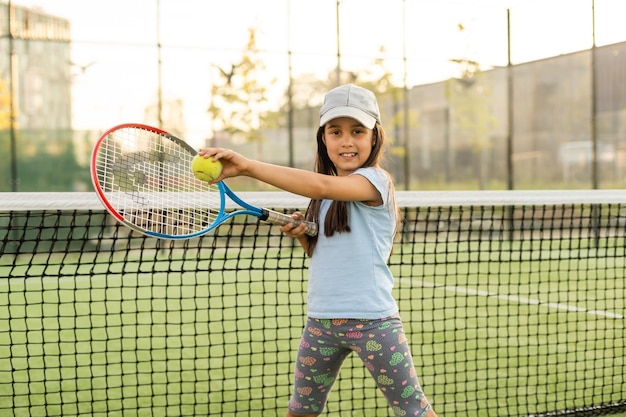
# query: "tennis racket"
143 177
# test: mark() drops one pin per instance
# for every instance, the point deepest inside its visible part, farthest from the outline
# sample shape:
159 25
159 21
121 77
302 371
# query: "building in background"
462 125
36 72
37 46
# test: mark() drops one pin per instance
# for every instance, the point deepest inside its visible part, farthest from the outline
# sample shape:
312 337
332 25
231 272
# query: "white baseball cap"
352 101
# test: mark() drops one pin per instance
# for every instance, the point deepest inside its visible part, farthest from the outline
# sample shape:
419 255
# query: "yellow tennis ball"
205 169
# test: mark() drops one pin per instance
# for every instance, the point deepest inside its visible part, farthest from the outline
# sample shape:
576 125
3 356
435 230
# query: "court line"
515 298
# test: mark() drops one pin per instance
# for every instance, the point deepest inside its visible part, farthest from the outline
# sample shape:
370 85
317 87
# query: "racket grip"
282 219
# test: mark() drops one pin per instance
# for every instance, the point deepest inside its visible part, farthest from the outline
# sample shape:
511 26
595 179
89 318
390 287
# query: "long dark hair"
337 216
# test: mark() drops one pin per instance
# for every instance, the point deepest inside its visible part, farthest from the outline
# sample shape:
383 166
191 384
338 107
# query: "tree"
5 126
5 105
470 100
379 79
239 102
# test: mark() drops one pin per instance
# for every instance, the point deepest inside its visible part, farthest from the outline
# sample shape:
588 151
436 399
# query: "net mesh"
513 302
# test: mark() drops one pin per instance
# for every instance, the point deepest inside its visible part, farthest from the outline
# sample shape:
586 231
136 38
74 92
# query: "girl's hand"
296 232
233 164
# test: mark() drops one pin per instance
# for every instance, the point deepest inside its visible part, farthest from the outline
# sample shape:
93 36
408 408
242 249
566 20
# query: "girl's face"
349 144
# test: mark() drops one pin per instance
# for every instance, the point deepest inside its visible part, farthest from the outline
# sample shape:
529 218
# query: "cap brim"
345 111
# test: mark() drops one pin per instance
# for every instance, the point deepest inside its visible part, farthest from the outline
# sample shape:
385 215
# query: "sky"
115 41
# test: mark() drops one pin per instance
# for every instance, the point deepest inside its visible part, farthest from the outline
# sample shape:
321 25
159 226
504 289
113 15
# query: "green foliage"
472 121
239 101
5 104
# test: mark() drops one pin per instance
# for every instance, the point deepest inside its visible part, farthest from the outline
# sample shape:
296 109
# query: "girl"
350 306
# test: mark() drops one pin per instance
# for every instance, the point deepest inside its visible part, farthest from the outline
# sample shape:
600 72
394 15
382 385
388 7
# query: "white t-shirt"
348 272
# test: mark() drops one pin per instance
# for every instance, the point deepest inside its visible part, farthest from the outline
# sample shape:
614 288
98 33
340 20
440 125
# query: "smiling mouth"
348 155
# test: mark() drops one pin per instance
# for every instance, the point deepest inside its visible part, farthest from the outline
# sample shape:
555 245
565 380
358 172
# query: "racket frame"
222 215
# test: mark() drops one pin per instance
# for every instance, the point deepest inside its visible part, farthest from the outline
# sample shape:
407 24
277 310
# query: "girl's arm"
298 181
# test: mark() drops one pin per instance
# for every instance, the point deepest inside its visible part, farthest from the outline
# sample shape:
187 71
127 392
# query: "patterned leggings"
382 346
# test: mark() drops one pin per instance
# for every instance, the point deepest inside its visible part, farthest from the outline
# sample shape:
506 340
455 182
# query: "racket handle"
282 219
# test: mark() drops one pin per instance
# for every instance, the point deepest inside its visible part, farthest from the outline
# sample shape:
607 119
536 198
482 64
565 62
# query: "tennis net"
513 302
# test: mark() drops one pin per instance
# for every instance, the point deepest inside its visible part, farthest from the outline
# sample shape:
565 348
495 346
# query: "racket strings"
147 178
